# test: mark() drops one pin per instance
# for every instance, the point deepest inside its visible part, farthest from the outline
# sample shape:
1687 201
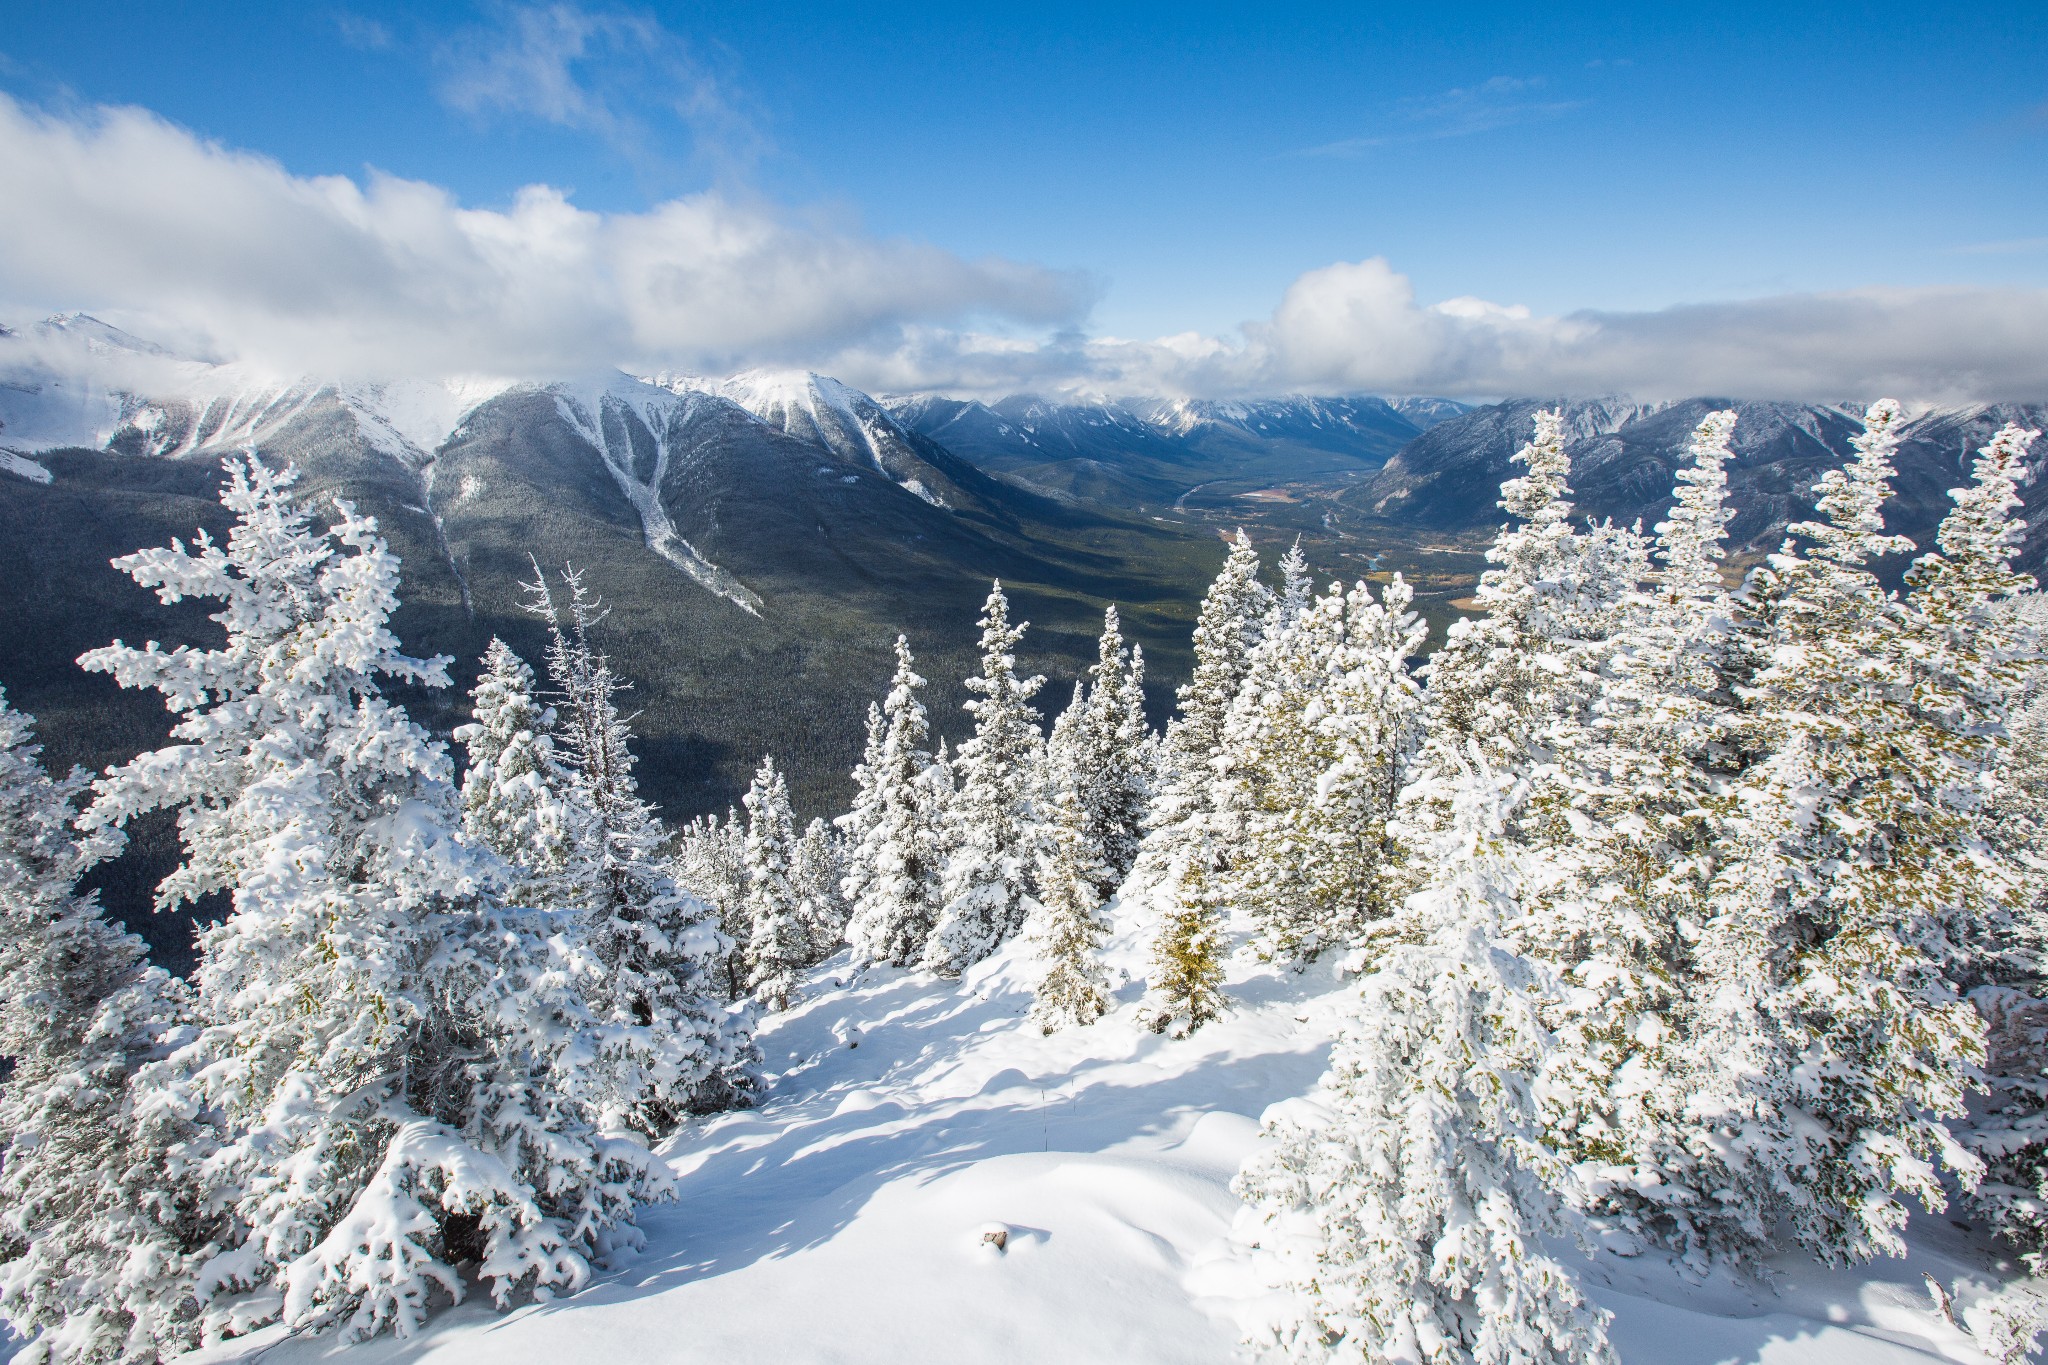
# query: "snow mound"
846 1219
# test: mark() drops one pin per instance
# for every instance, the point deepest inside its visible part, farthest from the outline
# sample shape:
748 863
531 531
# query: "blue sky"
1183 164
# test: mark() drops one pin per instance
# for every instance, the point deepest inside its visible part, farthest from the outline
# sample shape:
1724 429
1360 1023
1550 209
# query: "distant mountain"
1148 452
759 563
763 538
1624 454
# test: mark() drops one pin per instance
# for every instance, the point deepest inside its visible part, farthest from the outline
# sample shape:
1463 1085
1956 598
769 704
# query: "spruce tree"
1638 822
893 873
1184 849
1185 988
517 793
1399 1210
1225 632
710 861
1110 745
1316 748
1529 663
1066 929
857 826
778 946
816 870
381 1044
988 874
1297 590
658 948
103 1239
1856 861
1980 679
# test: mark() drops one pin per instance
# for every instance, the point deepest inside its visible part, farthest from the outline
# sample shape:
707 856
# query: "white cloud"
1358 328
222 252
599 71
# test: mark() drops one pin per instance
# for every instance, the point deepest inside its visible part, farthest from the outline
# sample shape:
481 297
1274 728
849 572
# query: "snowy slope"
74 381
825 413
610 412
843 1221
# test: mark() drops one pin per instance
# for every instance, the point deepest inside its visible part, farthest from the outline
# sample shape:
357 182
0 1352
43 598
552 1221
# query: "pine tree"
1637 825
517 793
1183 850
778 945
1510 676
816 870
1315 749
1856 862
657 948
102 1240
1110 742
988 875
893 872
388 1093
1399 1209
1066 929
1225 633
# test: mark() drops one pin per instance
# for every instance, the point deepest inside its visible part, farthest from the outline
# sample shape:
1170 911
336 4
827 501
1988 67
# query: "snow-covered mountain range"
766 534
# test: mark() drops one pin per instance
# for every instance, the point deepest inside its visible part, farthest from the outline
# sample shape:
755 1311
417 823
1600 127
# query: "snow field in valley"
843 1221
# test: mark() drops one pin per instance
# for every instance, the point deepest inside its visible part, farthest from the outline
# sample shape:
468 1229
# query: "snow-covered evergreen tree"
1066 928
1399 1209
1183 855
988 873
658 949
779 943
103 1238
1297 591
710 861
1225 633
1845 1041
1315 750
517 793
893 872
1507 677
1980 678
1185 988
373 1036
857 826
1110 755
815 873
1636 823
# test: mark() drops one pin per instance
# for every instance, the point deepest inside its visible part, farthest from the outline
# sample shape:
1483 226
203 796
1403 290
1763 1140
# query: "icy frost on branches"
988 871
1401 1208
656 947
896 847
385 1117
104 1236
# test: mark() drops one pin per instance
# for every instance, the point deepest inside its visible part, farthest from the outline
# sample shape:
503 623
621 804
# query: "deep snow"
843 1220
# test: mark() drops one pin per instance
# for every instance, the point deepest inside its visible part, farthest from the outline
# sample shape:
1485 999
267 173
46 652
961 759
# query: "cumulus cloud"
1359 328
216 251
222 251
